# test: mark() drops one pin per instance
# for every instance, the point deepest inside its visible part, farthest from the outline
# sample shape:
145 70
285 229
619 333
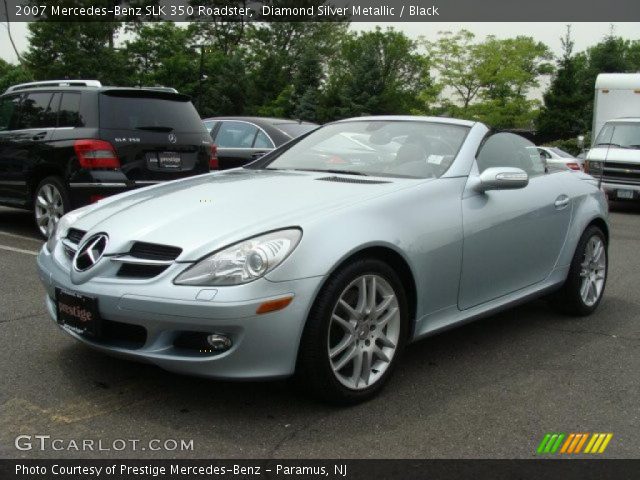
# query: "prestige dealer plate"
78 312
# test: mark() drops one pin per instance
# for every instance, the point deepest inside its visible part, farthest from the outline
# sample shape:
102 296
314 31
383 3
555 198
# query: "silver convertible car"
325 257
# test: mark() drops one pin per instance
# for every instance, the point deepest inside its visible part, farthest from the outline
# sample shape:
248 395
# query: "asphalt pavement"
490 389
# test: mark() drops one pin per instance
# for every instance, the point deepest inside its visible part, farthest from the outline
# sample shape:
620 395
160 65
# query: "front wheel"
354 333
582 291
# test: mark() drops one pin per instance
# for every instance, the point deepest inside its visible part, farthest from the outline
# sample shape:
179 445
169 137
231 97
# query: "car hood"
613 154
204 213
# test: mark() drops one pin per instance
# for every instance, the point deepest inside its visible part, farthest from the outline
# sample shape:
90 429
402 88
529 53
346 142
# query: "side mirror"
502 178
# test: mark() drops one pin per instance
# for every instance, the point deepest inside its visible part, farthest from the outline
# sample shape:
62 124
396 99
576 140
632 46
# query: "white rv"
615 149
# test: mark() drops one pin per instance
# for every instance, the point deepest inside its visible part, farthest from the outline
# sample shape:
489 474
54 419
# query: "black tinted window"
35 112
127 111
8 111
69 113
236 135
510 150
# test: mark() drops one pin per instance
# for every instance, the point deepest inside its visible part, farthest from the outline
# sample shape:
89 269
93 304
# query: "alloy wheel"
593 271
364 332
49 208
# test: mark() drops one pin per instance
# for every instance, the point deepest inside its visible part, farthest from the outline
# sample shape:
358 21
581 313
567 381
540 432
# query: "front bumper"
264 346
612 189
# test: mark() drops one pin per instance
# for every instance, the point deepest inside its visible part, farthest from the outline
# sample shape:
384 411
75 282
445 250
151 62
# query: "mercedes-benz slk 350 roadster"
325 257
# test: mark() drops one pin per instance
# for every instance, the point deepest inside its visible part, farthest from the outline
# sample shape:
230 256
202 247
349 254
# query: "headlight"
593 167
242 262
63 225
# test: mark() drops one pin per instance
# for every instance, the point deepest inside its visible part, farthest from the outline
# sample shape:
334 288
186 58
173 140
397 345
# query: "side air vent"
152 251
351 180
74 235
146 260
134 270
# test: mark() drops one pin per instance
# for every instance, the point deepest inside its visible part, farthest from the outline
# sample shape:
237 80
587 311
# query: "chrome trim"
12 182
98 184
126 258
69 244
148 182
53 83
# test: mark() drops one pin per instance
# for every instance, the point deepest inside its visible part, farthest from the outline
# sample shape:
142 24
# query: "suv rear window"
140 110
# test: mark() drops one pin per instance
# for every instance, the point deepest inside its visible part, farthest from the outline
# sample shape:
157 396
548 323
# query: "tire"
569 299
375 336
50 203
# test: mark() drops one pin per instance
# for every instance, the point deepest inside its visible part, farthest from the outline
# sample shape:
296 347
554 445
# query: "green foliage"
378 72
12 74
489 80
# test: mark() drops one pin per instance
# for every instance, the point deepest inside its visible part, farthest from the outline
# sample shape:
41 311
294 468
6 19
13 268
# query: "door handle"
561 202
258 155
39 136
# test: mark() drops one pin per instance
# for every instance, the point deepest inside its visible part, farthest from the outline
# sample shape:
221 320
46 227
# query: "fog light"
219 342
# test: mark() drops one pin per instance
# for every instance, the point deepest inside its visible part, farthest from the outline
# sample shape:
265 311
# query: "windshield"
383 148
623 135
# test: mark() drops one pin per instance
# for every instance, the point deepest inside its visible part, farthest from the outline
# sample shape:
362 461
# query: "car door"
34 128
512 238
239 143
12 183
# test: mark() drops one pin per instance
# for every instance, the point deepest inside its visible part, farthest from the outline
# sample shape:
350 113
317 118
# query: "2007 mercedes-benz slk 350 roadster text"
325 257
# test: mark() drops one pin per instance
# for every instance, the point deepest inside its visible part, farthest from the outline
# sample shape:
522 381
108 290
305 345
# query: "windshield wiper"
153 128
345 172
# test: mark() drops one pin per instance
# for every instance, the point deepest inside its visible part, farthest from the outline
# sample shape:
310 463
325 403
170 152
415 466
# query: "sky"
584 34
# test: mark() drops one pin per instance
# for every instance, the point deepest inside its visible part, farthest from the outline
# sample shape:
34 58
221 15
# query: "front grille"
74 235
621 172
133 270
152 251
350 180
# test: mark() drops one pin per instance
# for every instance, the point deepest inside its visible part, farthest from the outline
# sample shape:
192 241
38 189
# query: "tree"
12 75
75 50
378 72
489 80
563 114
454 56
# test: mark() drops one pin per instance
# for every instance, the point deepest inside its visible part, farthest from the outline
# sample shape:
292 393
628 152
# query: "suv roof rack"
55 83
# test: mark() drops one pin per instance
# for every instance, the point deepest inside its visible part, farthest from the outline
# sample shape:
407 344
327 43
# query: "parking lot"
490 389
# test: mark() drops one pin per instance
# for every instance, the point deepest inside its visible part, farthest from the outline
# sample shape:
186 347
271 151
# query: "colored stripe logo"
573 443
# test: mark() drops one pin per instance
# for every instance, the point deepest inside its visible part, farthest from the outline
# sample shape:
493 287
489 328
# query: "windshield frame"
263 162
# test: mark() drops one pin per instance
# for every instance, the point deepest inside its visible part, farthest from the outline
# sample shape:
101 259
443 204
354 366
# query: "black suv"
64 144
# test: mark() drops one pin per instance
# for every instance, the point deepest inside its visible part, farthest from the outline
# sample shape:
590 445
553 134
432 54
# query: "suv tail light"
213 159
96 154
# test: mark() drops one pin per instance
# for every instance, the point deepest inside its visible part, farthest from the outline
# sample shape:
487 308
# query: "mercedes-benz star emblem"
90 252
173 138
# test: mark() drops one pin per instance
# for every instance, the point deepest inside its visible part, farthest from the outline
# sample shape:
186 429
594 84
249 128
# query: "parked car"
557 157
615 158
68 143
294 266
240 140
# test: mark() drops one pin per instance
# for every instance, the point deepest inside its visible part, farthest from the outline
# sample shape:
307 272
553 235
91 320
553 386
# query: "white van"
615 150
